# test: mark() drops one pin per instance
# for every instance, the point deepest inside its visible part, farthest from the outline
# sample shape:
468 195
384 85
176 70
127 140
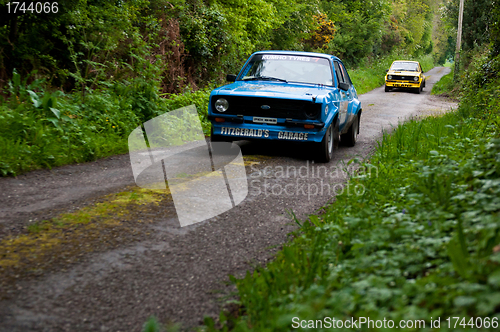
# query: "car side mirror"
231 78
344 86
386 70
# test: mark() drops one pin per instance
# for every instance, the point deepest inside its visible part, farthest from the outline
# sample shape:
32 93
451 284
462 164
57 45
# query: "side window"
347 79
338 73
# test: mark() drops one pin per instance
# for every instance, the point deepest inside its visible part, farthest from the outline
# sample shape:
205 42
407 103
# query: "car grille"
402 78
276 108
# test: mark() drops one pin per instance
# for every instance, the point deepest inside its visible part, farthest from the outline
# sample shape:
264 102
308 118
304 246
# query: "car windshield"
404 66
288 68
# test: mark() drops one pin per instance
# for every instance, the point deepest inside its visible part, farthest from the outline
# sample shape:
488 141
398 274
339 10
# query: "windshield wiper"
266 78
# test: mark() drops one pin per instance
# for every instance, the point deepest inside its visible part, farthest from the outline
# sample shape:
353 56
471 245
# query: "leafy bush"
480 96
198 98
43 128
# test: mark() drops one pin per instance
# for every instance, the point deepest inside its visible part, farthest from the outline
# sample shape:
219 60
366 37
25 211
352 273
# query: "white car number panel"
257 119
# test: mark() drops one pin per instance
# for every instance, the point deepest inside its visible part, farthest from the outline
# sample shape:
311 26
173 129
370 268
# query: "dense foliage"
480 21
89 43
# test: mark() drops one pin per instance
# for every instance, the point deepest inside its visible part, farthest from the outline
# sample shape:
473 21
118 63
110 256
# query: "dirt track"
177 274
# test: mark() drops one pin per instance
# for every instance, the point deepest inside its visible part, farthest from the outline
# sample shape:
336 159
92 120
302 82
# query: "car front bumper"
290 132
396 84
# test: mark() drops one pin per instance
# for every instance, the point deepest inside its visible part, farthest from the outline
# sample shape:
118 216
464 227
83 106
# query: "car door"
344 95
351 95
421 73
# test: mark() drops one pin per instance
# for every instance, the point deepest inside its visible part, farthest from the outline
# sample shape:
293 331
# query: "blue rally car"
289 96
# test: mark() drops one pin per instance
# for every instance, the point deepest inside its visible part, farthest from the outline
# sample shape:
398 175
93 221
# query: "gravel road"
180 274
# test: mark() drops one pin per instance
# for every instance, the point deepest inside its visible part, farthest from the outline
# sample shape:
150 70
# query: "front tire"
417 90
351 136
328 143
387 89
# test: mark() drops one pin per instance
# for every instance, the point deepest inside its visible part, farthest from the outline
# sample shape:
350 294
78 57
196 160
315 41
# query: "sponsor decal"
282 135
292 136
244 132
287 57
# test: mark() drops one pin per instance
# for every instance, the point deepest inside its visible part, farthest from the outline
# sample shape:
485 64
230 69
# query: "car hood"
274 89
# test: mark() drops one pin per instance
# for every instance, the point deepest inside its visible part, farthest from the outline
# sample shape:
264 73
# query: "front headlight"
389 77
415 78
221 105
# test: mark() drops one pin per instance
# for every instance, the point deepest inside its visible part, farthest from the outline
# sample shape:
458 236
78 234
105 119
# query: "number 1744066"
477 322
33 7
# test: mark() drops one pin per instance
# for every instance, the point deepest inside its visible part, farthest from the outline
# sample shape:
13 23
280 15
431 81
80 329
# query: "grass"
446 86
449 64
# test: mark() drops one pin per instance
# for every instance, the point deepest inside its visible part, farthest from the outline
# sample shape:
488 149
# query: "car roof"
322 55
405 61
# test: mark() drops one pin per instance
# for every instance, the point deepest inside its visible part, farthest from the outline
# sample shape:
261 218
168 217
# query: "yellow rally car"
405 74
